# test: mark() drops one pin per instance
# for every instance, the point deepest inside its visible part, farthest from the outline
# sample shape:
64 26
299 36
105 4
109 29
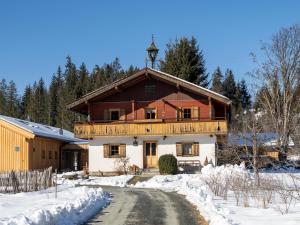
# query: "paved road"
131 206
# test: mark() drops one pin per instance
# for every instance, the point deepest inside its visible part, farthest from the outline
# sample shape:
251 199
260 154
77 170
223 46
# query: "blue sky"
36 36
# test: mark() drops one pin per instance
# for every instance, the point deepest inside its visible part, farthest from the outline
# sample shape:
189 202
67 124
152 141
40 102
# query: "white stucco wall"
135 153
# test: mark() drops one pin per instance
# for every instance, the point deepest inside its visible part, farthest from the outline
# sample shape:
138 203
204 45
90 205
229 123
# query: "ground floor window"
187 149
114 150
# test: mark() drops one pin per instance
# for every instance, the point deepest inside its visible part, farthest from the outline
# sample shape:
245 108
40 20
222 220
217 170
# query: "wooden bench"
186 163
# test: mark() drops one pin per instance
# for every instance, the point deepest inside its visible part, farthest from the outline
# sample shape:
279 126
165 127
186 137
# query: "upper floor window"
187 113
150 113
114 115
150 89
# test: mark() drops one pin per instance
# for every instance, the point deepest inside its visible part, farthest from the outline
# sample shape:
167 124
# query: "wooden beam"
133 109
210 108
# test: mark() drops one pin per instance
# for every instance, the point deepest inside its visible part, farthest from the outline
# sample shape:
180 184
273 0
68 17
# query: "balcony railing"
91 130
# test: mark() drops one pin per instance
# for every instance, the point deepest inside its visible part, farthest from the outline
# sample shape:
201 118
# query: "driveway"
132 206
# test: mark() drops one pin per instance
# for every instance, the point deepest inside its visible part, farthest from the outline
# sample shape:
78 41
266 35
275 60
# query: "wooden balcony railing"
91 130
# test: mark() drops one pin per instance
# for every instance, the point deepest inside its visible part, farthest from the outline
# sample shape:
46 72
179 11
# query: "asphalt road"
132 206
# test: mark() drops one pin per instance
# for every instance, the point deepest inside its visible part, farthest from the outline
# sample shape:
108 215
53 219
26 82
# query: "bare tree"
278 81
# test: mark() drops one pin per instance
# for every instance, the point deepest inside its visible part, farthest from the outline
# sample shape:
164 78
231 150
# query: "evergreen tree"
3 97
229 85
12 100
68 95
184 59
53 97
27 104
83 84
217 79
237 103
41 112
246 97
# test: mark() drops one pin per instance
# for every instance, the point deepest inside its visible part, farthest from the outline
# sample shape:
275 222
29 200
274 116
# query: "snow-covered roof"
41 130
266 139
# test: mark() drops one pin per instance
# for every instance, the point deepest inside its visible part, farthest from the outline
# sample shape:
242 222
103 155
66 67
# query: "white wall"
135 153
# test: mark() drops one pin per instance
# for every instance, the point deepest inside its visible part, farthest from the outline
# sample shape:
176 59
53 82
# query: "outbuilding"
26 145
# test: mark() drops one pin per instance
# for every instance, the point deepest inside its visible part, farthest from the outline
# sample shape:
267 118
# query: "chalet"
26 145
149 114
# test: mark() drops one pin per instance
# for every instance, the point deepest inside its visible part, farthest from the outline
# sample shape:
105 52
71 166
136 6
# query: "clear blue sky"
36 36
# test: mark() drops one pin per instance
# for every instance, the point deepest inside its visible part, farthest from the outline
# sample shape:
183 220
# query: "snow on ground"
119 181
217 210
74 205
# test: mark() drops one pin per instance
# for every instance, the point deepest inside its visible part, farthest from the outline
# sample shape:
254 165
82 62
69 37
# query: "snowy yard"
42 208
218 211
72 206
119 181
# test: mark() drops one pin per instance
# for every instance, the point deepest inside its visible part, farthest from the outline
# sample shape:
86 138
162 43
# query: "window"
55 155
114 150
50 154
187 113
43 154
33 149
114 115
187 149
150 89
150 113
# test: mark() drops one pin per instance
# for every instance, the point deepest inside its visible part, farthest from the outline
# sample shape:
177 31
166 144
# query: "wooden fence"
25 181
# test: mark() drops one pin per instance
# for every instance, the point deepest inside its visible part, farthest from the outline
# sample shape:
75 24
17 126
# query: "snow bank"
72 206
120 181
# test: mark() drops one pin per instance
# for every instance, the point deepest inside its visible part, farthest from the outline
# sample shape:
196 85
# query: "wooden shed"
26 145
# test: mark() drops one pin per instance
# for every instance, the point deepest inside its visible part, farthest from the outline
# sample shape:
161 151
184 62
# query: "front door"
150 154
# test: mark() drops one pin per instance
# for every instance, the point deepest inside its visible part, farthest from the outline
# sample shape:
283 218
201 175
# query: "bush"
167 164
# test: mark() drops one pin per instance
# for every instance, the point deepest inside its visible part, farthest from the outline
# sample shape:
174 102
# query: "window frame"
111 150
183 113
114 110
191 154
147 109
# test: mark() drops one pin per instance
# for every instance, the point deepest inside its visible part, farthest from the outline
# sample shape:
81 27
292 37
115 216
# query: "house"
149 114
26 145
266 142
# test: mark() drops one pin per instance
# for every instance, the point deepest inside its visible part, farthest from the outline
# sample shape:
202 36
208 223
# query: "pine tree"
27 104
12 100
229 85
3 97
184 59
217 79
83 84
41 112
246 97
53 98
68 95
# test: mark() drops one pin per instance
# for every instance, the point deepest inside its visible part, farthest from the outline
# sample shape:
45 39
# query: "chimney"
61 131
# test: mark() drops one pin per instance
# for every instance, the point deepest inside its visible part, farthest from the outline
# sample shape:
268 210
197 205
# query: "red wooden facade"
150 96
166 99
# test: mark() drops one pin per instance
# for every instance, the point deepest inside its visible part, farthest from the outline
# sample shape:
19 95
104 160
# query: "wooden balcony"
91 130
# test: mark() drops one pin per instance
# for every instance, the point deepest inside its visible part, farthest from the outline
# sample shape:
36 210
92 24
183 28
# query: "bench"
186 163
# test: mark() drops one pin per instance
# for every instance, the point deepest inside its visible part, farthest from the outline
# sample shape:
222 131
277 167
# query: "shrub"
167 164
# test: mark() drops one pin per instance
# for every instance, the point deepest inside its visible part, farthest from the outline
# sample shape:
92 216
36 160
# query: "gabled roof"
41 130
124 82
